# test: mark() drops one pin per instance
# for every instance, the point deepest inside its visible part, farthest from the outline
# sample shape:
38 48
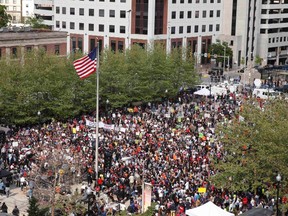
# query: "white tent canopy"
203 92
208 209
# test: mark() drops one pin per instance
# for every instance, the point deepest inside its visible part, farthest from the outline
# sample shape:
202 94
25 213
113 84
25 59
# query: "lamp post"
224 57
278 179
39 115
166 95
128 30
107 103
88 192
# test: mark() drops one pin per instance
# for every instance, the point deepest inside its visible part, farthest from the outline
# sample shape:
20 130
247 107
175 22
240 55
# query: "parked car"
283 89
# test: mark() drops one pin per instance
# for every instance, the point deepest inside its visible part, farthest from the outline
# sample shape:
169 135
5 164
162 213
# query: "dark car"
283 89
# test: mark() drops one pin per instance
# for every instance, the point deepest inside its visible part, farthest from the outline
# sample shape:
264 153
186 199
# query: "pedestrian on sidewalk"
16 211
4 208
7 188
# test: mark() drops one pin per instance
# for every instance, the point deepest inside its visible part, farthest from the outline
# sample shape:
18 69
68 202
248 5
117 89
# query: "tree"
258 60
4 17
217 48
53 177
255 148
34 209
36 23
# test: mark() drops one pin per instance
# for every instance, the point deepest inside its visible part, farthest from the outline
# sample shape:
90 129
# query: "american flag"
86 65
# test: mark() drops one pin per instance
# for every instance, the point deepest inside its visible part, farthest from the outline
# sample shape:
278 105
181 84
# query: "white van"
266 93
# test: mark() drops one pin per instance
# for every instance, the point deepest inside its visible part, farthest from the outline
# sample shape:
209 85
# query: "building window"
204 1
101 13
91 27
188 29
211 1
181 1
173 30
72 11
57 49
63 10
101 0
122 14
197 1
196 14
203 28
81 11
173 15
112 13
211 13
122 29
14 52
196 29
72 25
28 48
190 1
203 14
189 14
91 12
173 1
120 45
63 24
81 26
217 27
111 28
180 29
218 13
57 10
80 43
181 15
210 28
57 24
101 28
123 1
218 1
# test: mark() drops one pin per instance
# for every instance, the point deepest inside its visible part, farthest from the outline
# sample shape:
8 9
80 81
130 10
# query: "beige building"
14 8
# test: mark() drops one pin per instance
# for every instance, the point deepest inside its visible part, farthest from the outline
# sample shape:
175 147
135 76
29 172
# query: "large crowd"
169 144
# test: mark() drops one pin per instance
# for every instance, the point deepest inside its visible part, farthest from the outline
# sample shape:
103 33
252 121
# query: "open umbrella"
258 212
5 173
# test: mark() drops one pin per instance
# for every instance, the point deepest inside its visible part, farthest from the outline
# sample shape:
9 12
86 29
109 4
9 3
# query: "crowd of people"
169 144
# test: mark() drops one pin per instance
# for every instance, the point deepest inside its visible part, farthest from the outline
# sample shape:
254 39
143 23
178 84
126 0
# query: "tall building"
256 28
27 9
14 9
120 23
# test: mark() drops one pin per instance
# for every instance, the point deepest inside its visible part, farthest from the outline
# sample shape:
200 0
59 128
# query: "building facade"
14 44
27 9
120 23
256 28
14 8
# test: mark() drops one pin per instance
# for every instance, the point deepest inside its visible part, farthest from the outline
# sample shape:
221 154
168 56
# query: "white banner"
101 125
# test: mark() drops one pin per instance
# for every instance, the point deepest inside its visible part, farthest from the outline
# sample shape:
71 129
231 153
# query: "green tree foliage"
256 148
34 209
4 17
36 23
49 84
217 48
140 75
258 60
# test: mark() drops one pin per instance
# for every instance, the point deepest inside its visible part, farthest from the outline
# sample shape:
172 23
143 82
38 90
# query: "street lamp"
107 103
128 30
166 95
278 179
39 115
224 57
88 192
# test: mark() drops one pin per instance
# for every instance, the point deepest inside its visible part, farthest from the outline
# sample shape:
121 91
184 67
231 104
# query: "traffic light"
2 137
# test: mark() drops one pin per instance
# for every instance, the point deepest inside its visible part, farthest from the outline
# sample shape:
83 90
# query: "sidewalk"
17 197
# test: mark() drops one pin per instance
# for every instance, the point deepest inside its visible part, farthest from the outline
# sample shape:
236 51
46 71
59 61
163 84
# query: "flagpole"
97 115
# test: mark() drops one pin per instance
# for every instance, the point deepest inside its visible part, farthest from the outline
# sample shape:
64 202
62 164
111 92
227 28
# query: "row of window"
122 29
196 29
15 50
277 39
91 12
197 14
196 1
8 2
